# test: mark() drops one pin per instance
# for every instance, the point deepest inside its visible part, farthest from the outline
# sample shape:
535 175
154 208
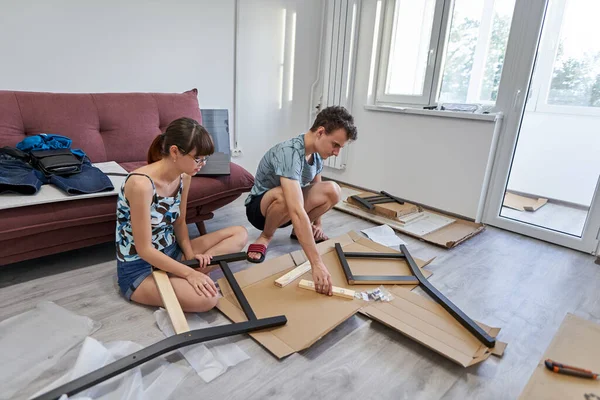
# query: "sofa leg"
201 228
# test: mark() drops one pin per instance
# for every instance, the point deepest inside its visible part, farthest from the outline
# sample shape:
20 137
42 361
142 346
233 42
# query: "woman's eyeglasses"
199 160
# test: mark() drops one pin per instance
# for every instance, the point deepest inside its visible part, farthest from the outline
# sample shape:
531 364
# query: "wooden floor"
503 279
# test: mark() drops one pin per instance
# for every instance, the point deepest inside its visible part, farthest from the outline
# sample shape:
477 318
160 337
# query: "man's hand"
202 284
321 278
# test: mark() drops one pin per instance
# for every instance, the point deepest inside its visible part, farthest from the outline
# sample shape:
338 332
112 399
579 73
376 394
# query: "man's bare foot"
318 234
261 240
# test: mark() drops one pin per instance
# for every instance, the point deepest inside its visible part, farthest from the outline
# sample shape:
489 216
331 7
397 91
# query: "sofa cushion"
107 126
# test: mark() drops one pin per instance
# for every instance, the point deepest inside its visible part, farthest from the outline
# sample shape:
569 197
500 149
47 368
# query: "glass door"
550 188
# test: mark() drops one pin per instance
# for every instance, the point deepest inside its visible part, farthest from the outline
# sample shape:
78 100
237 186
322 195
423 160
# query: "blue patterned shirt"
164 211
286 159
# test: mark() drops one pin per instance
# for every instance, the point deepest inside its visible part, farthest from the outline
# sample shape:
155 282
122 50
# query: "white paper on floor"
34 341
154 380
210 359
384 235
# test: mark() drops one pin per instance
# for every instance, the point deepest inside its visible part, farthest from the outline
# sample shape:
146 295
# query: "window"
568 63
442 51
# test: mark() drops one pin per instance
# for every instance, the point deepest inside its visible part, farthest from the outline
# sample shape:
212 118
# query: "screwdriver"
569 370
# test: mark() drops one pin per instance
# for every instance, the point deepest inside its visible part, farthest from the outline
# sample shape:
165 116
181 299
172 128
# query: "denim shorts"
130 274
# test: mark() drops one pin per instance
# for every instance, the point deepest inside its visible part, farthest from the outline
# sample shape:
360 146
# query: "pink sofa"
108 127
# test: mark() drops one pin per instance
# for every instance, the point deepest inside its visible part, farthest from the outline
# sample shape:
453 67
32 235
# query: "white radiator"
337 64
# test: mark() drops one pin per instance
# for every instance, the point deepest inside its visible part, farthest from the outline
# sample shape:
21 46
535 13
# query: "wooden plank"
337 291
167 294
293 274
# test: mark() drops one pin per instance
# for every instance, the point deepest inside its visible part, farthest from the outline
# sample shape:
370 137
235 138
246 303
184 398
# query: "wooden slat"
293 274
167 294
336 291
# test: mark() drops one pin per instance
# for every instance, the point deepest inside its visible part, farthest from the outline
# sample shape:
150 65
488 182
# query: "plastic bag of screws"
379 294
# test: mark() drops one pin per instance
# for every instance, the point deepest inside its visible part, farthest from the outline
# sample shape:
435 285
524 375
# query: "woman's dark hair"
185 133
333 118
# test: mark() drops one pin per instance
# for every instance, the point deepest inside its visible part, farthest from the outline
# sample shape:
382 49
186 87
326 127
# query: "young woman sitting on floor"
151 228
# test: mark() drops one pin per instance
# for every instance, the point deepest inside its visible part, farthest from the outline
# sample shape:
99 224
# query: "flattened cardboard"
310 315
390 210
522 203
430 324
575 344
448 237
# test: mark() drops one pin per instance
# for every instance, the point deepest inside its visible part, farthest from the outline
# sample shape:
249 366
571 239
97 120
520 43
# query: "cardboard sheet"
310 315
575 344
52 194
447 236
430 324
522 203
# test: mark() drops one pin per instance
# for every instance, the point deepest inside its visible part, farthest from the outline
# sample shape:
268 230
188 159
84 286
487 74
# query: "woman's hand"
203 260
202 284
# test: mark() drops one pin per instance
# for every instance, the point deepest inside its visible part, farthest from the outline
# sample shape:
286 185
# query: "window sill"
435 113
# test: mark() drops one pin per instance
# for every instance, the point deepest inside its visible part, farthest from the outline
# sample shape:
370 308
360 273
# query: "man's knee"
333 191
278 202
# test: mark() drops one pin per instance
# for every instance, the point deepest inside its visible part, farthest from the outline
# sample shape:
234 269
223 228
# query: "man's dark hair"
336 117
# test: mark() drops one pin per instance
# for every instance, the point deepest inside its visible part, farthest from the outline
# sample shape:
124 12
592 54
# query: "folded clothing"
16 176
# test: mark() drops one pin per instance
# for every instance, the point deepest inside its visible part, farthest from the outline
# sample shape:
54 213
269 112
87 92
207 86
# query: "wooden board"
336 291
522 203
390 210
167 294
576 344
293 274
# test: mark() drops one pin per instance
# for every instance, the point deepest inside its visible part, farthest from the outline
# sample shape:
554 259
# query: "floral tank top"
164 211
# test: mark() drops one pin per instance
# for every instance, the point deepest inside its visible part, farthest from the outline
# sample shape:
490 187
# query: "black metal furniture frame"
176 341
420 280
383 197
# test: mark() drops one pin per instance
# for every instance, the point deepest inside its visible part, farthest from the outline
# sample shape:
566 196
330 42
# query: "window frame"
437 53
386 41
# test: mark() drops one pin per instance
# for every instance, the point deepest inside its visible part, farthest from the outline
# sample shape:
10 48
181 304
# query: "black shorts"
255 216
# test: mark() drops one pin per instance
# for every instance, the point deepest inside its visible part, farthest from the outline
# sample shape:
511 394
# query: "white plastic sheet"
34 341
384 235
156 379
209 360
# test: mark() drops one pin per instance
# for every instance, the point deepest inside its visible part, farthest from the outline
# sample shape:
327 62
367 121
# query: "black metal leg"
344 262
373 255
237 291
363 202
396 199
157 349
177 341
442 300
217 259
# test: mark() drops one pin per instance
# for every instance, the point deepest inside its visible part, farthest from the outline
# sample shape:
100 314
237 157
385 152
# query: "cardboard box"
311 315
522 203
575 344
447 236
